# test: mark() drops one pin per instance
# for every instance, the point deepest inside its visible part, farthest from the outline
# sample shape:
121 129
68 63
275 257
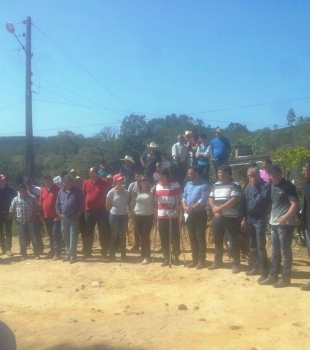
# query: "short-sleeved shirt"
24 208
95 193
180 150
223 192
151 159
47 201
118 203
220 147
281 195
197 193
132 189
166 198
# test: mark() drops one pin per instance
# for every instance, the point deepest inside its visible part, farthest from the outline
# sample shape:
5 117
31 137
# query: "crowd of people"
158 196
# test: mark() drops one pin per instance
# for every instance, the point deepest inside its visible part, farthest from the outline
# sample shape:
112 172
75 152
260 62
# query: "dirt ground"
55 305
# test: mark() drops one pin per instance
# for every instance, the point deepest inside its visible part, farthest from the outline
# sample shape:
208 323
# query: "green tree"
291 117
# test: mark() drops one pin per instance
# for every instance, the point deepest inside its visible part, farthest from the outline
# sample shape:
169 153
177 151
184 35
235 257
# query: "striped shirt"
25 208
223 192
166 198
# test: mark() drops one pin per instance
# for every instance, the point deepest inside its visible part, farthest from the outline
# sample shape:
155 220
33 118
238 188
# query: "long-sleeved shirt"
206 150
7 194
305 212
258 201
24 208
197 192
70 203
180 150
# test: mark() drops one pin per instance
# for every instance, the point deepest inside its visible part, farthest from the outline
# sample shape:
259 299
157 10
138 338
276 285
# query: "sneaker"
191 265
282 283
9 253
269 281
262 278
145 261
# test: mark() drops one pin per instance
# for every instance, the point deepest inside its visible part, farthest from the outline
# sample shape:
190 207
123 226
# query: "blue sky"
157 57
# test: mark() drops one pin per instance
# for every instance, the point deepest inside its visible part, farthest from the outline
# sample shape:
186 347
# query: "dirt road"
54 305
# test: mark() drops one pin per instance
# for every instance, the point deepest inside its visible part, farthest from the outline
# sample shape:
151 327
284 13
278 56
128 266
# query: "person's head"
128 161
69 182
194 173
275 173
153 146
181 139
102 165
93 174
306 170
63 173
266 164
2 181
188 135
73 173
254 176
163 174
137 174
22 189
118 179
163 157
110 179
27 182
224 173
78 182
219 132
203 138
143 184
253 165
48 181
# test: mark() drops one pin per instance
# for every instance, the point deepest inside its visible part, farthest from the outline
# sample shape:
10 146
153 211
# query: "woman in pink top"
264 172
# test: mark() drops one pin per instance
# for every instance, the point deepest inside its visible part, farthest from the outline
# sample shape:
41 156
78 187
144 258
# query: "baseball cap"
274 169
118 177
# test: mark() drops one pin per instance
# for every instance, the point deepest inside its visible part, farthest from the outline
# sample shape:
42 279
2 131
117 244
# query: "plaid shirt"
25 208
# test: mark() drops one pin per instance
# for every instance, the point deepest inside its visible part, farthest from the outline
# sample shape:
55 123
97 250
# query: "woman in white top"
144 216
117 201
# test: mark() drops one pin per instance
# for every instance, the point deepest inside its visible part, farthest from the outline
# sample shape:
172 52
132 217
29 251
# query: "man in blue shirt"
70 205
203 155
220 150
195 200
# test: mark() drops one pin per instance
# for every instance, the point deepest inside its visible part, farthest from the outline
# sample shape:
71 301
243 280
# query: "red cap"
118 177
2 177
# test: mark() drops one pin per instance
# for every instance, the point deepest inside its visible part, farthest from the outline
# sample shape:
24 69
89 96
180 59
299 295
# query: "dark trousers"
281 247
53 229
218 163
205 170
100 217
196 226
257 232
5 226
136 232
144 225
118 225
231 226
163 228
24 231
38 226
180 173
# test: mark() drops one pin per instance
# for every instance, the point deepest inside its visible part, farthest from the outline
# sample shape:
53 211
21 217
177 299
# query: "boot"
200 265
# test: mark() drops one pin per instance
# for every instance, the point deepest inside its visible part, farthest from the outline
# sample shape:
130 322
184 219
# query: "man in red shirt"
47 201
193 143
95 190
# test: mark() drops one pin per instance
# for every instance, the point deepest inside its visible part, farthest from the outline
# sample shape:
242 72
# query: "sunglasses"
143 181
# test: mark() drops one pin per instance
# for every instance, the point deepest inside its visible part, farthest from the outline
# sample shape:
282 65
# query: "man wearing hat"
7 194
59 180
73 173
193 146
220 149
180 155
127 170
283 220
149 161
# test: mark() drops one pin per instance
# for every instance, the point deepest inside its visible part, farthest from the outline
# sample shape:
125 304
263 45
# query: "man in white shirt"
180 156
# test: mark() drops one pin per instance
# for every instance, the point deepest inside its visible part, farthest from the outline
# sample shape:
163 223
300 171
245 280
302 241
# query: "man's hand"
282 221
188 210
243 224
174 215
216 209
218 215
56 219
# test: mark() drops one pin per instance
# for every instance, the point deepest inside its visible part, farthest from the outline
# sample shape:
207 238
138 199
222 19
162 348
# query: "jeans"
196 226
5 225
70 227
231 226
217 164
281 247
205 169
24 231
136 232
38 226
180 173
307 232
144 225
257 232
163 228
53 230
118 226
100 217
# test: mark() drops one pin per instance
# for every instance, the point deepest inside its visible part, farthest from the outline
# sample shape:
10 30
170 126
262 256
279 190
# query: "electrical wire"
84 69
14 104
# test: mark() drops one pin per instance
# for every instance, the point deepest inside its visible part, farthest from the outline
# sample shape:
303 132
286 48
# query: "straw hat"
128 158
153 145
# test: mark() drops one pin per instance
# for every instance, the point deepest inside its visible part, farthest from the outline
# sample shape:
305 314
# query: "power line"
74 93
14 104
84 69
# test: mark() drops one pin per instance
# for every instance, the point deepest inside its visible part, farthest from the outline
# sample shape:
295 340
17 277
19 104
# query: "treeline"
68 150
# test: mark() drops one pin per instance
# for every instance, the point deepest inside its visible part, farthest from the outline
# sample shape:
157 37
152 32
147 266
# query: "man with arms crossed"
195 200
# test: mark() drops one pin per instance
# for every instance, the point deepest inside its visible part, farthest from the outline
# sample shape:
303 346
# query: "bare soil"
100 305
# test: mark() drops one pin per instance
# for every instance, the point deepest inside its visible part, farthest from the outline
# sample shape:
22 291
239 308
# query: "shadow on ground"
102 346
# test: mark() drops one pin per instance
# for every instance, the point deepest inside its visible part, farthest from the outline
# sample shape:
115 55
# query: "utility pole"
29 130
